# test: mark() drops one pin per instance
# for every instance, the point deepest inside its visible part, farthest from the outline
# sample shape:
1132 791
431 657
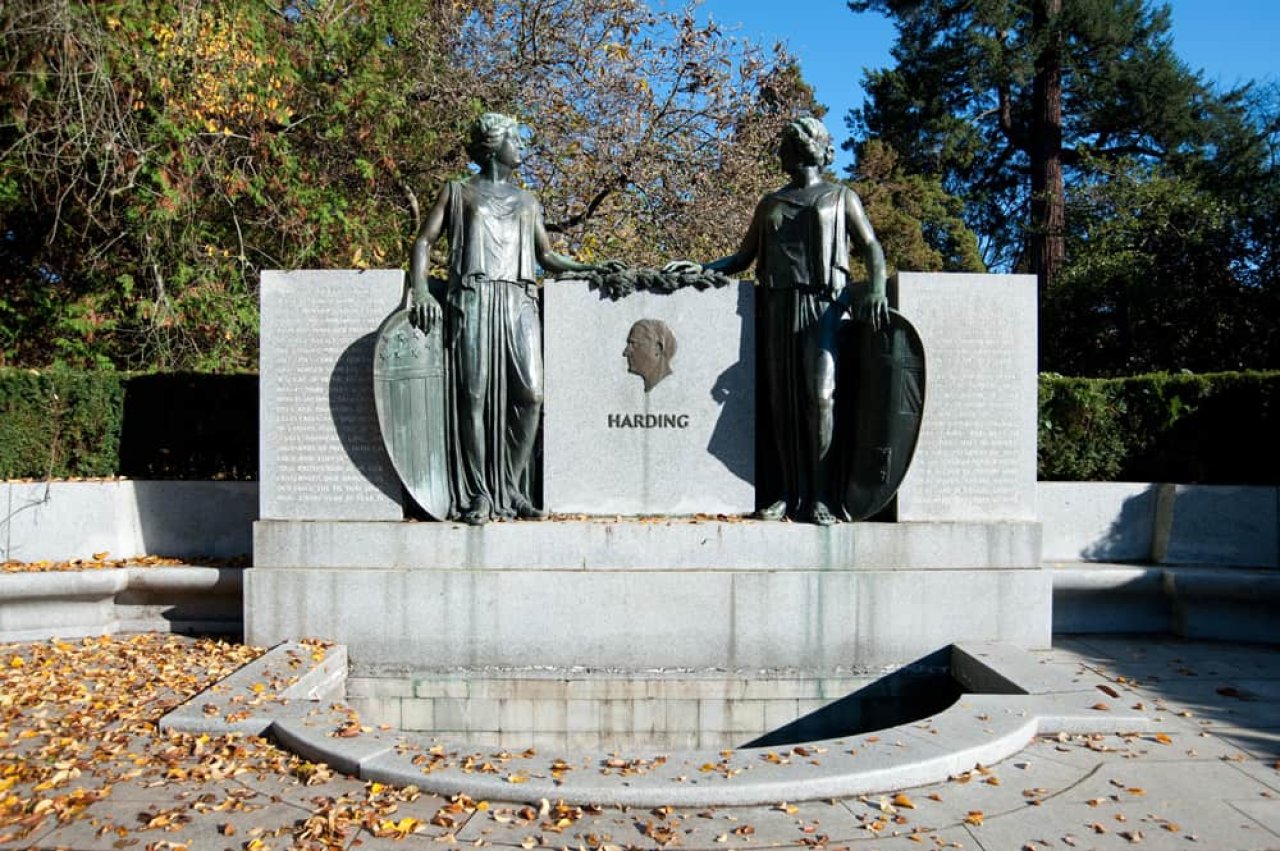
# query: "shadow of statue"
355 417
735 392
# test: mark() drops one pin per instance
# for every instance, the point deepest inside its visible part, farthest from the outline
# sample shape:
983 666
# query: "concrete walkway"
1205 778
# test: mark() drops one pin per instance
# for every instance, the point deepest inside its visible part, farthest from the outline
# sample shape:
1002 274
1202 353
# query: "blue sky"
1231 41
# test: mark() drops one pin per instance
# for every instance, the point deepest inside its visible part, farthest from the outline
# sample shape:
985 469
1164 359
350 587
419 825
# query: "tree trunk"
1048 211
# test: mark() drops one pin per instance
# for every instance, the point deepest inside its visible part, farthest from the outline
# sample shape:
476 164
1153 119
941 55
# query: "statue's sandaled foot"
776 511
821 515
525 510
479 513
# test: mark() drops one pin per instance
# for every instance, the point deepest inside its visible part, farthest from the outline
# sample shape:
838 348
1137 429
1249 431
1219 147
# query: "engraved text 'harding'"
648 420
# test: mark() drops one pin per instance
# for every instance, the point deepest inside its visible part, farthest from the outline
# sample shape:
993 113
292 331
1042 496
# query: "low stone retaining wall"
58 521
1108 522
1127 557
1114 522
1200 561
574 709
1214 603
71 604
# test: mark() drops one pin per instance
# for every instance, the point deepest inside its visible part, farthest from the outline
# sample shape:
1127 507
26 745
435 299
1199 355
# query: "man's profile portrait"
650 349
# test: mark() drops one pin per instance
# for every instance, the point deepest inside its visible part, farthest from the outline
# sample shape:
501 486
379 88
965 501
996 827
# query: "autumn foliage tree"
652 132
155 157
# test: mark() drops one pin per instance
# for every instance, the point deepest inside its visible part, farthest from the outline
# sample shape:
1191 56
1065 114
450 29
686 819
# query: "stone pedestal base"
643 595
677 632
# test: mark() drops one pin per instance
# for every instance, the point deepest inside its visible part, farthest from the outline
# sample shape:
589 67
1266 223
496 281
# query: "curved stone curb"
73 604
1033 699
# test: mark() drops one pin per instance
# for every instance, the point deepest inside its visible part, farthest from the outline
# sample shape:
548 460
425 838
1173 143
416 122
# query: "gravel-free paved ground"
83 767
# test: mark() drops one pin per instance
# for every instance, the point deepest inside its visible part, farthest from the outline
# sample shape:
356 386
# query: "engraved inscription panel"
321 450
977 452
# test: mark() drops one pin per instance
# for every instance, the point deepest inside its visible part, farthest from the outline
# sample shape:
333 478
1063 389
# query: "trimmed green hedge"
1218 428
60 423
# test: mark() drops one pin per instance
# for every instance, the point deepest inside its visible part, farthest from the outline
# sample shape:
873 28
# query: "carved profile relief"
651 346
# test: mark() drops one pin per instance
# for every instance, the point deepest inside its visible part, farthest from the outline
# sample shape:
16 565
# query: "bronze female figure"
493 338
799 240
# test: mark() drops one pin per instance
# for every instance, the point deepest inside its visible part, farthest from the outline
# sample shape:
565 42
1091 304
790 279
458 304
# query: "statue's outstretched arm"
424 310
875 308
550 260
741 260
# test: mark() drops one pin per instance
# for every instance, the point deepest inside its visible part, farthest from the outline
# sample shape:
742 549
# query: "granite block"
1097 521
550 714
649 715
682 715
582 716
779 713
675 544
616 717
976 459
379 710
515 714
1221 524
695 619
417 713
685 445
320 448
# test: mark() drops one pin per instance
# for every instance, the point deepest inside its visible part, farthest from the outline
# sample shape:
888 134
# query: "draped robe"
493 344
802 266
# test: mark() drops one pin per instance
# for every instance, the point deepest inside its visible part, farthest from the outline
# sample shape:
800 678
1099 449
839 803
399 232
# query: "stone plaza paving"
82 766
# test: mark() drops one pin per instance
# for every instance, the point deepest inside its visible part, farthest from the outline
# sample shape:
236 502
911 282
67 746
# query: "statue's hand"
611 266
424 312
679 267
875 309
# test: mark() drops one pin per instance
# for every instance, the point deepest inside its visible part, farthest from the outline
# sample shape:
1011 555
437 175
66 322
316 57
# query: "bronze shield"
889 371
409 393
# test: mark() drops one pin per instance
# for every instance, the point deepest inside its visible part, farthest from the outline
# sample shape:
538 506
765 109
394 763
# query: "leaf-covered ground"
79 729
82 766
104 561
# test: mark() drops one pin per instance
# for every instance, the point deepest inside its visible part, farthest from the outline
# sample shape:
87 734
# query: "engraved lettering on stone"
314 464
972 382
648 420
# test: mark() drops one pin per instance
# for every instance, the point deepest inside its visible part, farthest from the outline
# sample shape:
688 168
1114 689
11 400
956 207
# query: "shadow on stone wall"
355 417
735 392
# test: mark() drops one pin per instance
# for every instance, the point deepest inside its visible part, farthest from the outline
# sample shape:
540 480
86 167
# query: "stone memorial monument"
320 451
679 627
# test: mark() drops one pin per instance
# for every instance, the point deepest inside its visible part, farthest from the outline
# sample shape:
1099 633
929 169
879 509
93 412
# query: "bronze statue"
492 334
799 240
651 345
